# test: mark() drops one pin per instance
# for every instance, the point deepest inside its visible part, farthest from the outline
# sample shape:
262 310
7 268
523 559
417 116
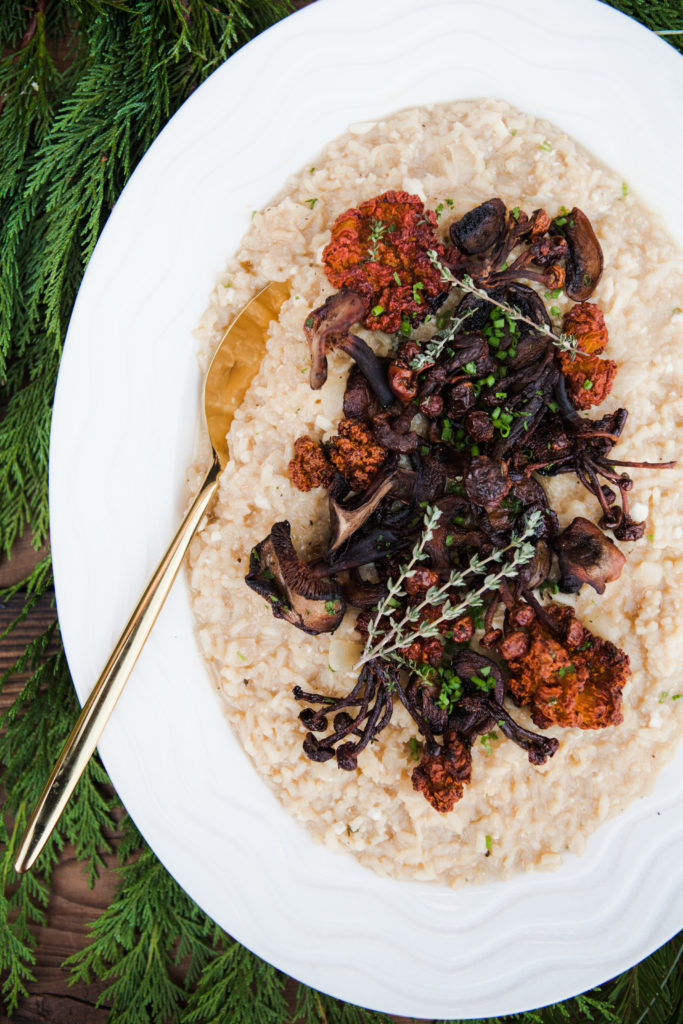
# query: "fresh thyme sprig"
378 229
395 588
410 628
565 342
433 349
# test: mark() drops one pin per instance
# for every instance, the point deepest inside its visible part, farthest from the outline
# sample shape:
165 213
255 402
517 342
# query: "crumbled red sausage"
310 467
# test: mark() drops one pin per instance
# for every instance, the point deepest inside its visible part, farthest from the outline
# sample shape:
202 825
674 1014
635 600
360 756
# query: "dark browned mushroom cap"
275 573
480 228
520 296
363 594
584 262
360 401
481 673
366 546
328 327
586 555
480 712
486 481
536 572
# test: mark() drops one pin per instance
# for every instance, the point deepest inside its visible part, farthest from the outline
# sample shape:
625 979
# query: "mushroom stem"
369 365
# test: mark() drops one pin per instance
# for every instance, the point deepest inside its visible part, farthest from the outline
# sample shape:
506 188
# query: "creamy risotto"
514 816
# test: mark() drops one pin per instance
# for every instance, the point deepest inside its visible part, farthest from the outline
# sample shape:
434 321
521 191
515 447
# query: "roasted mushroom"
346 519
329 327
586 555
372 696
458 428
584 260
481 228
310 603
486 481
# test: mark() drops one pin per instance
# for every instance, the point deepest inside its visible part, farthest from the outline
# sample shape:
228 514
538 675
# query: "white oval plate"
125 421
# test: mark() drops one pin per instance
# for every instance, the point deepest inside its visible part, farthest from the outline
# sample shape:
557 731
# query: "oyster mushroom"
345 520
328 327
584 261
294 593
586 555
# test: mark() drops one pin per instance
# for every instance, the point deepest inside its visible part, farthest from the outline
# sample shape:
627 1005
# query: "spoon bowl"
231 371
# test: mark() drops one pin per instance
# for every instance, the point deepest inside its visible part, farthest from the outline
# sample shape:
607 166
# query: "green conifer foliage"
85 87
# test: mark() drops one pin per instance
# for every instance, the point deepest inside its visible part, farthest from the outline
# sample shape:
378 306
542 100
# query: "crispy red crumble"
379 250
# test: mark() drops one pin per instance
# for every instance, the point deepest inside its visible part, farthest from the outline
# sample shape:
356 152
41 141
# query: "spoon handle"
95 713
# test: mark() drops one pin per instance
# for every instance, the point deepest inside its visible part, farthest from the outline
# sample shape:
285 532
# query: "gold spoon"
232 370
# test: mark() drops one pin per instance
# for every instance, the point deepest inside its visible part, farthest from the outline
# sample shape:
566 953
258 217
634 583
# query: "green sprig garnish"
409 628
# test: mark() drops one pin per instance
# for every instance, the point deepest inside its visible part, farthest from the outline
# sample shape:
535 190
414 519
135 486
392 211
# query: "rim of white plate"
125 421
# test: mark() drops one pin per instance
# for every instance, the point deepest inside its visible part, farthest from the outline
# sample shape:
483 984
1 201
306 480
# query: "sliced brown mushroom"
361 593
486 481
391 439
346 519
364 548
586 555
328 327
536 572
294 593
584 262
480 228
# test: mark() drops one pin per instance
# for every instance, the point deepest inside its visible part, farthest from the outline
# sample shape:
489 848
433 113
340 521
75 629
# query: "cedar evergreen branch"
85 87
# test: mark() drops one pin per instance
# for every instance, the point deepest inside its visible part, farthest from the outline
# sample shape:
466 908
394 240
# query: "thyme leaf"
562 341
384 644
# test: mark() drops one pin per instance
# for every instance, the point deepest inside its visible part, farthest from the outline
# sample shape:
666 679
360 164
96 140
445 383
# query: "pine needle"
85 87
